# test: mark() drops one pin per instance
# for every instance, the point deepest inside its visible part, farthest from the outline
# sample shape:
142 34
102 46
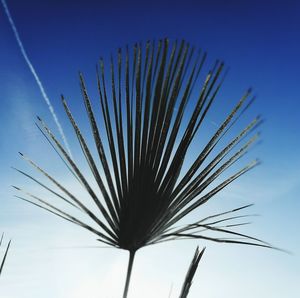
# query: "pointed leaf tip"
191 272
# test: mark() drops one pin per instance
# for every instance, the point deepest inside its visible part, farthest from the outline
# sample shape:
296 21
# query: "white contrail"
36 77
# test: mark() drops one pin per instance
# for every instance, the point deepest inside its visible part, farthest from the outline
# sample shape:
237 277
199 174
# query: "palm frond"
149 123
5 254
191 272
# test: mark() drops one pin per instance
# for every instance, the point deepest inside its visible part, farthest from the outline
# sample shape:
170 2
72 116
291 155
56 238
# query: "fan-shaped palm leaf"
5 254
149 125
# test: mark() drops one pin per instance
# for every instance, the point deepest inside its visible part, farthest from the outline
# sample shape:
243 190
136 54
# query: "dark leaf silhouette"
150 122
5 254
191 272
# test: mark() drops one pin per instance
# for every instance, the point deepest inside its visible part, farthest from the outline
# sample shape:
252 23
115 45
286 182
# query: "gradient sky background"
260 42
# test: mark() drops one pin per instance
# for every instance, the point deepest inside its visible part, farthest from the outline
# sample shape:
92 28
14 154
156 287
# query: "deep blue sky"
258 40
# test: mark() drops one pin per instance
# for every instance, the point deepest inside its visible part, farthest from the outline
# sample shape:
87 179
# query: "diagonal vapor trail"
36 77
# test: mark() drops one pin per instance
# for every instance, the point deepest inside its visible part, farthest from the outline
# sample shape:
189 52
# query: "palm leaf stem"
129 270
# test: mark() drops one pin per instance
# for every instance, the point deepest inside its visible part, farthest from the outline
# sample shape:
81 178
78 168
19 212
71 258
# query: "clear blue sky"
260 42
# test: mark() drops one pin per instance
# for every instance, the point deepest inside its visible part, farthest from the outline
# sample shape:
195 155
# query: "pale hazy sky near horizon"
259 40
